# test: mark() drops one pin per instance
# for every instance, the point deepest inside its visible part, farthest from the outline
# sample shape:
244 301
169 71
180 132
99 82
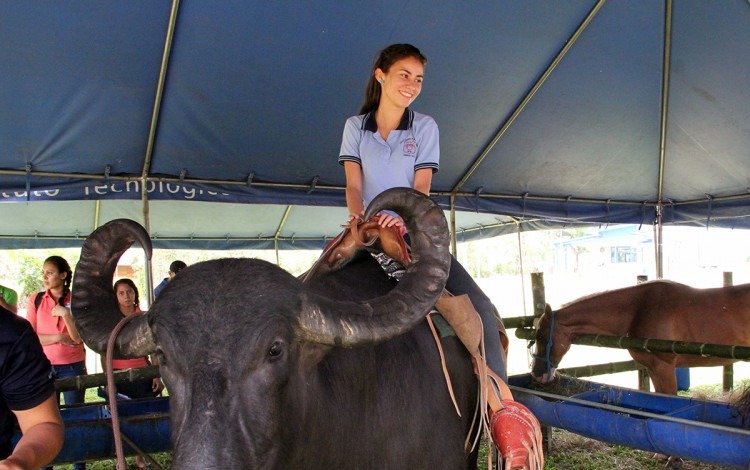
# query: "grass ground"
571 451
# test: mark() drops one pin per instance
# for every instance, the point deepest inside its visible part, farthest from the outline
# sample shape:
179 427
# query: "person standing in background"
174 268
53 323
128 301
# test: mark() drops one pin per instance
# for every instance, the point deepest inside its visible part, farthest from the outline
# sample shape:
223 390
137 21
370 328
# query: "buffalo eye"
276 349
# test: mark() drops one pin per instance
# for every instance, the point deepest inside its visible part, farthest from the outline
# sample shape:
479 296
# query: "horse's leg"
661 369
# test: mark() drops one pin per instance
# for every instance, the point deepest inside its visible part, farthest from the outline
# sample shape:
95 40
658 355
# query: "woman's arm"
422 183
42 436
54 338
45 339
157 386
423 180
64 312
354 190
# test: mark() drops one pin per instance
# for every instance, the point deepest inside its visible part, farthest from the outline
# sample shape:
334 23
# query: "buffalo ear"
311 354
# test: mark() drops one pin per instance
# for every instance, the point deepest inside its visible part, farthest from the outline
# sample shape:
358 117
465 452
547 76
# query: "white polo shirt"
390 163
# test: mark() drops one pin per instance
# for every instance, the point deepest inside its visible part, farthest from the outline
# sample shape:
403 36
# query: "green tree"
28 275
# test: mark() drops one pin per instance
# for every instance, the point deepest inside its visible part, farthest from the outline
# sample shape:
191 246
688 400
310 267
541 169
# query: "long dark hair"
385 59
62 267
129 282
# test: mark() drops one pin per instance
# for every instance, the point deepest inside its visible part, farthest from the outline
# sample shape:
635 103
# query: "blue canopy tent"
217 124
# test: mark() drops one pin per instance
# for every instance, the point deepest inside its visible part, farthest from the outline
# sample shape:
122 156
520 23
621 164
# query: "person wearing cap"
174 268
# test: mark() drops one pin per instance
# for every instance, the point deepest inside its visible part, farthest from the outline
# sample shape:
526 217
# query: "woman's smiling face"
402 83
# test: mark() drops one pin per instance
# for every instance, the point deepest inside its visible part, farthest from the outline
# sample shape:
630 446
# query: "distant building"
620 249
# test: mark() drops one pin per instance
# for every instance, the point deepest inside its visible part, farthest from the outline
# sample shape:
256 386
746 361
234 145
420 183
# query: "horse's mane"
619 289
586 297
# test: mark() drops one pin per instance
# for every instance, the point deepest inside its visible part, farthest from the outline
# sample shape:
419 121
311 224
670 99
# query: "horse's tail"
743 406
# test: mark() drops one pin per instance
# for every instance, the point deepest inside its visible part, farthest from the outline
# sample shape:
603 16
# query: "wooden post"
83 382
644 382
537 292
728 380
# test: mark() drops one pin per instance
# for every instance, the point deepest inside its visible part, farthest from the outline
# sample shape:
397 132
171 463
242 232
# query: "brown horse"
657 309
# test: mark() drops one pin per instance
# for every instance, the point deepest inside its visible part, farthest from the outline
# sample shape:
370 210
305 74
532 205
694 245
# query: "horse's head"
550 346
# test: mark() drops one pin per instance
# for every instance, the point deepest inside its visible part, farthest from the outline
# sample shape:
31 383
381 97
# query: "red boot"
518 437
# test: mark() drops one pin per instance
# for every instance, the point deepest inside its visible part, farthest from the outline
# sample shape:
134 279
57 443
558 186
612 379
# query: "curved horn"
354 323
94 305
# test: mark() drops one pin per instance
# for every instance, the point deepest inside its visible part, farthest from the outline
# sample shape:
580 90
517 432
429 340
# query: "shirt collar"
407 119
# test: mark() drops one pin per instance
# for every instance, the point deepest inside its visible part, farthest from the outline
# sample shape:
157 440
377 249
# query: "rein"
117 434
548 349
549 346
112 391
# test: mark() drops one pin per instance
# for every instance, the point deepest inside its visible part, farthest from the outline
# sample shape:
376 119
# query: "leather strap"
442 362
368 235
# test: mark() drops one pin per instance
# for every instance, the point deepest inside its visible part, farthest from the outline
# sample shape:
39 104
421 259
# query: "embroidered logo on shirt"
410 147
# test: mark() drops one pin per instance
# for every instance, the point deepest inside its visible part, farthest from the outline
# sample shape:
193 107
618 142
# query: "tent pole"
453 225
520 264
97 213
522 105
278 232
147 262
658 255
160 88
662 139
152 134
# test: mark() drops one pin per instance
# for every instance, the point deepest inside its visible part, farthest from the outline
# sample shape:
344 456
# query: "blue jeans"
71 397
461 282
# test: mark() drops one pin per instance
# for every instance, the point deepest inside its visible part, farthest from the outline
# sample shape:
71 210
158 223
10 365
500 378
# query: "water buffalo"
265 372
